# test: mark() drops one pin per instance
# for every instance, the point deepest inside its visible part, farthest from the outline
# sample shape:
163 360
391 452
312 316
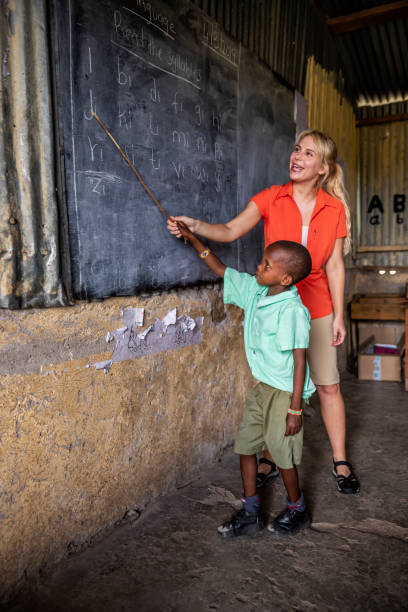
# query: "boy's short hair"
297 258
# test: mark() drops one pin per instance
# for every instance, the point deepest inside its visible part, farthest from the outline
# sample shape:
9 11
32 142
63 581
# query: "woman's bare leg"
334 418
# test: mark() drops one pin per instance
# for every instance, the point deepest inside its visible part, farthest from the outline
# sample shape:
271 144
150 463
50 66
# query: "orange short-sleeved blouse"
283 221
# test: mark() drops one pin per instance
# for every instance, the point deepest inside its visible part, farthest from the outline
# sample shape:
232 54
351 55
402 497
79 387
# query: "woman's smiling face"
305 163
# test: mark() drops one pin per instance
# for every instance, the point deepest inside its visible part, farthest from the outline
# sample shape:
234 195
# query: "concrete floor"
172 560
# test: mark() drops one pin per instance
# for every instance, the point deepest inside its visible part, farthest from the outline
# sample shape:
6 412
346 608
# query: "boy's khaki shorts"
321 355
264 424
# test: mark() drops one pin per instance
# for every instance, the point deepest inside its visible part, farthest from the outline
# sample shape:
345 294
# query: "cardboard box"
372 366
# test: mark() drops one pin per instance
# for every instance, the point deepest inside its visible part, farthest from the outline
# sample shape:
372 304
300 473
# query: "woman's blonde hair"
333 180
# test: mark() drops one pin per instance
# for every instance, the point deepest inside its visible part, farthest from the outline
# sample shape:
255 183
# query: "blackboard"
203 122
266 134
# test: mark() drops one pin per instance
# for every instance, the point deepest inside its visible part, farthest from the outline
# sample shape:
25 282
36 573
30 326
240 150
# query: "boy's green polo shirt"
273 326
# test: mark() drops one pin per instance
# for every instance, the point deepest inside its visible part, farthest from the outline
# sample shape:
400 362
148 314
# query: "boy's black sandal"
346 484
241 523
289 521
261 478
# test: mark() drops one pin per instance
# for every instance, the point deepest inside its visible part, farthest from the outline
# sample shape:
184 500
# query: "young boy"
276 335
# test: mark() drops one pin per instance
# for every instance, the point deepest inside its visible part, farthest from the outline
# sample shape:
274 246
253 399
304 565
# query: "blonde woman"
311 209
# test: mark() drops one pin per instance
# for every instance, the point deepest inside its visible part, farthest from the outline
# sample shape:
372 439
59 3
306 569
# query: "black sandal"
346 484
261 478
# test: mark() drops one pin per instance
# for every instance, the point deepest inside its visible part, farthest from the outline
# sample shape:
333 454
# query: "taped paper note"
170 333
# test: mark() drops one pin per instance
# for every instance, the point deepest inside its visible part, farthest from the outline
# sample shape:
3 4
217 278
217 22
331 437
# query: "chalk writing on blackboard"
214 38
164 78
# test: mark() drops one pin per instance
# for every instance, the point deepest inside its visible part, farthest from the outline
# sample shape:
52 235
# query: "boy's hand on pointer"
184 231
293 424
173 227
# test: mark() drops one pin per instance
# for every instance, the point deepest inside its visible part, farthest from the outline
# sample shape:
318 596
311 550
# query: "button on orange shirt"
283 221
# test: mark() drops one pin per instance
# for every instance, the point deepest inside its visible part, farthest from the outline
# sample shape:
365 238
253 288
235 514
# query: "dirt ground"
171 559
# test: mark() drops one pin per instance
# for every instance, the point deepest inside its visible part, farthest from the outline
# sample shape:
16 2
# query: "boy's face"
272 271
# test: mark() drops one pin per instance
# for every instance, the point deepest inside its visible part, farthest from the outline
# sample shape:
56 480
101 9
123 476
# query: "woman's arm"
220 232
335 276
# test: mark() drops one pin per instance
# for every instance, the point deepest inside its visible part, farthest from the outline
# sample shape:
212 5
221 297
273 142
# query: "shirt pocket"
264 327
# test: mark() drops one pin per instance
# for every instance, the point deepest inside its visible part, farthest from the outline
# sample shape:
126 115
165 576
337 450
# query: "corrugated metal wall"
385 110
379 53
30 265
384 173
329 112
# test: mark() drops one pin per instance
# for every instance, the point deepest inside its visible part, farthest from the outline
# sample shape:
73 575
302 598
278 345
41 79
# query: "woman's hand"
174 228
339 331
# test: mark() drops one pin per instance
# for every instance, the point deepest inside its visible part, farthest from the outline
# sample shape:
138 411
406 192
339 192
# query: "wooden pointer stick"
125 157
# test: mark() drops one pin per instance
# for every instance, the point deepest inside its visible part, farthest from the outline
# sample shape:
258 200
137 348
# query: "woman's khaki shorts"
321 355
264 425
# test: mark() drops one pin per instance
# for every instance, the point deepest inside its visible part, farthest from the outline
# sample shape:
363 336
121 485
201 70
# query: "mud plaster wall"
78 447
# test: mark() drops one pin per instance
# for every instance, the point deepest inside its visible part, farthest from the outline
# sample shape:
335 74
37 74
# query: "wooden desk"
377 307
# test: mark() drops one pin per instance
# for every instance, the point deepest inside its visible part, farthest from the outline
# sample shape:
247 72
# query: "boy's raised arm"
209 258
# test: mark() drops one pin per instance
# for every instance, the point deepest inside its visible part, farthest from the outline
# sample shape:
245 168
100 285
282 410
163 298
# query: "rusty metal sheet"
30 263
